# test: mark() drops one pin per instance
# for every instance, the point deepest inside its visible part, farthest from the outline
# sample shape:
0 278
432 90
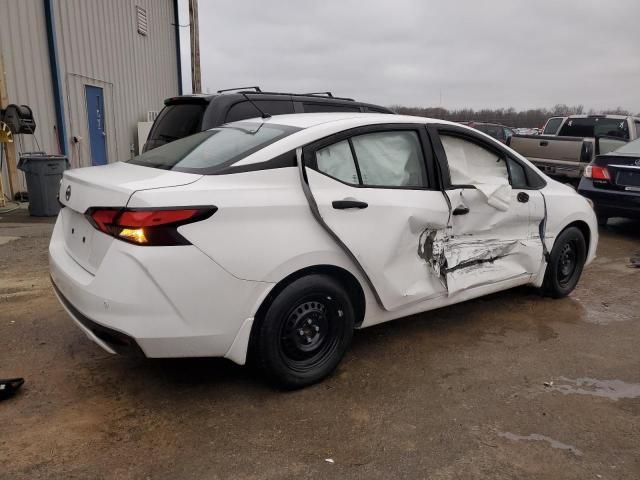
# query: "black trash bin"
43 173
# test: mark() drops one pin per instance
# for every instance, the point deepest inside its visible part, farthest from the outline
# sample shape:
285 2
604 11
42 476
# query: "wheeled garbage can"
43 173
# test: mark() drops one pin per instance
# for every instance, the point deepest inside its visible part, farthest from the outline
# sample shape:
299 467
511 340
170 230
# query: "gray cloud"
498 53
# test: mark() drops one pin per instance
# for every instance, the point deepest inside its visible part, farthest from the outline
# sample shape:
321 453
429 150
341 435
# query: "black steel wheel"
305 332
565 264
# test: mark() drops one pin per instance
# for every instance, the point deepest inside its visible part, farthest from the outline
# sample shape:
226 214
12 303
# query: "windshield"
595 127
210 151
631 148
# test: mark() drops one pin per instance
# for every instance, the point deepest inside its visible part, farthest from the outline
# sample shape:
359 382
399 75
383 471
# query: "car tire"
305 332
565 263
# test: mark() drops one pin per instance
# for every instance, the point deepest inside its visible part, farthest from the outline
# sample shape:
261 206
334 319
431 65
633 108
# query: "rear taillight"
596 172
147 226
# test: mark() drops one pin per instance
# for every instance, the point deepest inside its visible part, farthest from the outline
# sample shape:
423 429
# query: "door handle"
461 210
344 204
523 197
544 143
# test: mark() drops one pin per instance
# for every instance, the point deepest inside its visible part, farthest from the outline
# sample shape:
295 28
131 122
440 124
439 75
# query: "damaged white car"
272 239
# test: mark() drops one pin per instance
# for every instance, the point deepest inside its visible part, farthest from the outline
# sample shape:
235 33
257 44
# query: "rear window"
595 127
175 122
211 151
552 126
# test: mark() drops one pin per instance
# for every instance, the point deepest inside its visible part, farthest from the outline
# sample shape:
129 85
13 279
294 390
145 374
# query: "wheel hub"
306 329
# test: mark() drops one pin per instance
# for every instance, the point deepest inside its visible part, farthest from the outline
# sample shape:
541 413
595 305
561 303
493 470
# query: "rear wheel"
565 264
305 332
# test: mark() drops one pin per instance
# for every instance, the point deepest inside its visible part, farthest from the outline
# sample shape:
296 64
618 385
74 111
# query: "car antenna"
264 115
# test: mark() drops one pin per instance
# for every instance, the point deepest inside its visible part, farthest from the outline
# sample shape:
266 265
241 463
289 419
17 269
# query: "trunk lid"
624 172
105 186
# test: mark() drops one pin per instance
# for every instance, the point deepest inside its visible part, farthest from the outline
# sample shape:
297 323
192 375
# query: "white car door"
374 190
493 235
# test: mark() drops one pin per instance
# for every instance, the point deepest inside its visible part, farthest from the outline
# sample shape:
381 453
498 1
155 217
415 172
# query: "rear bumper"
158 301
611 203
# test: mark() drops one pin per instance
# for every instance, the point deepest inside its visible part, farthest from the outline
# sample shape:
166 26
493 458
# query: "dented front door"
492 235
488 245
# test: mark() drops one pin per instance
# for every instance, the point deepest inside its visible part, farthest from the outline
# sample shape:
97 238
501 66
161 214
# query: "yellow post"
9 148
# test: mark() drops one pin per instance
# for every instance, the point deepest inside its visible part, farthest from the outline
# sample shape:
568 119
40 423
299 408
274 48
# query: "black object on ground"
8 387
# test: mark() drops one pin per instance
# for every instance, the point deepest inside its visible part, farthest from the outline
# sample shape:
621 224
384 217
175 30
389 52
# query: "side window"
390 159
329 107
337 161
471 164
517 173
243 110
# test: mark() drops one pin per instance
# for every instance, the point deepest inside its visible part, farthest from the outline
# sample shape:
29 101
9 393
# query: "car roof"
308 120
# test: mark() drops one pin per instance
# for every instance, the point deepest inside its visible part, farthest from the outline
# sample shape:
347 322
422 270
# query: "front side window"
471 164
210 151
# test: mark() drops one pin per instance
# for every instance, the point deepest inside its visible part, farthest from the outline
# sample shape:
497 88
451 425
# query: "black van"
188 114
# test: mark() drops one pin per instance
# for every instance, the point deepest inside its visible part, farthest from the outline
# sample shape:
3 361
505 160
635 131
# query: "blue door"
95 117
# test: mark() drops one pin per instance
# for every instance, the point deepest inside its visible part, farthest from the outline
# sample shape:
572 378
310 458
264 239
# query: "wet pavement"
508 386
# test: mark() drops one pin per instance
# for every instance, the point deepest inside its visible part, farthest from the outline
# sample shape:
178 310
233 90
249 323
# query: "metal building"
90 70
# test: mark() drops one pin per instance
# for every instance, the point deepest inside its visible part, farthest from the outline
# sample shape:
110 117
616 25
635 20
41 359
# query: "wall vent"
152 115
141 21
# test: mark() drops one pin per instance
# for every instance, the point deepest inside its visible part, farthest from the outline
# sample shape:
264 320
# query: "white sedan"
273 239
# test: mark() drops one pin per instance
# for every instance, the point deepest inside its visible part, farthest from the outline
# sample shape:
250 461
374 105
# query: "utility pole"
196 85
9 148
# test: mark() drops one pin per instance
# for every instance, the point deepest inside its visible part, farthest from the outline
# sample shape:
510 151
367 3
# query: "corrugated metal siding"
99 45
23 44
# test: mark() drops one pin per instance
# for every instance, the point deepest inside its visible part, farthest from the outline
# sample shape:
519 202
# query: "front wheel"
305 332
565 263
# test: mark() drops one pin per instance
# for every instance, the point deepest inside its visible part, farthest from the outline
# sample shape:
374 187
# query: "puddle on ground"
536 437
613 389
7 239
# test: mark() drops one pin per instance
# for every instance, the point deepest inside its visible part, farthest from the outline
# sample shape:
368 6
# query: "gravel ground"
508 386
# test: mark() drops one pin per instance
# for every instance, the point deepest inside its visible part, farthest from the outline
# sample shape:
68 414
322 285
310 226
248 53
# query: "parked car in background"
189 114
495 130
612 182
277 237
552 125
566 154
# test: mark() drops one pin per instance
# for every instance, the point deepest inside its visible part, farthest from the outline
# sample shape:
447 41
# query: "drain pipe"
58 99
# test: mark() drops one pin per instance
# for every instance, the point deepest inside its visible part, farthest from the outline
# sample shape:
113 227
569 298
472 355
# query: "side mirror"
498 195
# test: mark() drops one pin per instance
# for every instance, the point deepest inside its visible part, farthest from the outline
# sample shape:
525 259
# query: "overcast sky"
493 53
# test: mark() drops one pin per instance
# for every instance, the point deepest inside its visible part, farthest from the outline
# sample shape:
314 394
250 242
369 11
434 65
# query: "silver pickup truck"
579 139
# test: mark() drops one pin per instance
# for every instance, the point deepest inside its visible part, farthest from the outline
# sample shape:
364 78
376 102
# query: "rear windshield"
211 151
175 122
552 126
595 127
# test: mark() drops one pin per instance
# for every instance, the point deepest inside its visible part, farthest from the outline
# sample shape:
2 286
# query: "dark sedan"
612 182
